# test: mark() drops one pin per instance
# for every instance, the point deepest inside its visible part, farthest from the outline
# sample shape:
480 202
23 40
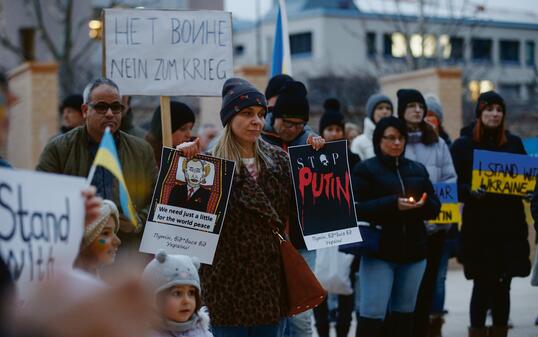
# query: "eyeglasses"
102 107
393 139
290 125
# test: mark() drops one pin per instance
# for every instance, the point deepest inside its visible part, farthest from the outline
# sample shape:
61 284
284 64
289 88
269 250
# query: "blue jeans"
388 285
246 331
438 304
301 324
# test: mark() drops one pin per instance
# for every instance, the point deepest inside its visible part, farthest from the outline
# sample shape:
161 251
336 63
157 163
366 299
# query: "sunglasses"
102 107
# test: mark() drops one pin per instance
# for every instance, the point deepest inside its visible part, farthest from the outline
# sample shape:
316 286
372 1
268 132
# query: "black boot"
400 324
342 330
369 327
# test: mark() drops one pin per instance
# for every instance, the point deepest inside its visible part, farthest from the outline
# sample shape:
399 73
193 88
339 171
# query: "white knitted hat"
166 271
92 231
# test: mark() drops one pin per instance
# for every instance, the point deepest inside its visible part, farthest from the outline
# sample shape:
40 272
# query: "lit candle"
411 199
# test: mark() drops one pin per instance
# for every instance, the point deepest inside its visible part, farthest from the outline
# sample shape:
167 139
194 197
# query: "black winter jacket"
494 232
377 184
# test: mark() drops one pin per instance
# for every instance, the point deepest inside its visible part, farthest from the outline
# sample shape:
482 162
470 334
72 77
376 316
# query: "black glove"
479 193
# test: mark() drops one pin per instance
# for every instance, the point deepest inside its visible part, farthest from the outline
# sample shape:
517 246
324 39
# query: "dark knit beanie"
275 84
406 96
331 116
292 102
488 98
72 101
238 94
384 124
180 113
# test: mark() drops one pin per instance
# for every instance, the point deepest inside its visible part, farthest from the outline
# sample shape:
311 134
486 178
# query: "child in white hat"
174 281
100 241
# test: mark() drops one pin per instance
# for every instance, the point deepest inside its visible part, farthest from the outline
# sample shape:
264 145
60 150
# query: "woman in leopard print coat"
243 288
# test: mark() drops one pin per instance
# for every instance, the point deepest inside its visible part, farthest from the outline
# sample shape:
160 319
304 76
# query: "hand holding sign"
92 204
190 149
479 193
317 142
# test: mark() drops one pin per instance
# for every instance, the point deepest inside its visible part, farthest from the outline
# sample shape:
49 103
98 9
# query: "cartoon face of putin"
194 173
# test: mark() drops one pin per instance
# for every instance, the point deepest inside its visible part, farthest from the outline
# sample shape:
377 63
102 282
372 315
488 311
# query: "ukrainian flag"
107 157
281 47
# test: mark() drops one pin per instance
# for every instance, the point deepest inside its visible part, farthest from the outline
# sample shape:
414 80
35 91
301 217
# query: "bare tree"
455 18
74 69
352 92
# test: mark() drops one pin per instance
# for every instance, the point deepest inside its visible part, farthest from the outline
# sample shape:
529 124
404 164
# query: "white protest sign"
189 205
168 53
41 225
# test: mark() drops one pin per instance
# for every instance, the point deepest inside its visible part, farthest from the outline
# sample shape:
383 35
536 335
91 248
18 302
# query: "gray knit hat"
166 271
374 101
435 106
92 231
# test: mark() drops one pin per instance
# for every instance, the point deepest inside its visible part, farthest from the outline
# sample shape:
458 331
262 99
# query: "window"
509 91
481 49
422 45
387 45
477 87
370 44
451 48
529 53
239 50
509 51
394 45
301 44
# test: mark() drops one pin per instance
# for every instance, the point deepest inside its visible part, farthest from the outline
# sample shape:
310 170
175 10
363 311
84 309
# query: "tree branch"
44 33
82 51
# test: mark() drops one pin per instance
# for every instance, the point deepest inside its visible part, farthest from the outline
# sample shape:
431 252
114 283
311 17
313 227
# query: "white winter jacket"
362 145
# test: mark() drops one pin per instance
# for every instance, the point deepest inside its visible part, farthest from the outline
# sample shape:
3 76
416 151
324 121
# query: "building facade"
336 38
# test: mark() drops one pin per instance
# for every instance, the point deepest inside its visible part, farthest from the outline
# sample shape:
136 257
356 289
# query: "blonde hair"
229 148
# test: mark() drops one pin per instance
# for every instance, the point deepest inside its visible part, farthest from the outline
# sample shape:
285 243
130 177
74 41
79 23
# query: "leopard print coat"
244 285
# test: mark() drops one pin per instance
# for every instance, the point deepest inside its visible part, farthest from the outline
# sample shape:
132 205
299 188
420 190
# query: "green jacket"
69 154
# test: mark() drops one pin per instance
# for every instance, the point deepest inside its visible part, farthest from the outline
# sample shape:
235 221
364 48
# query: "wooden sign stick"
166 121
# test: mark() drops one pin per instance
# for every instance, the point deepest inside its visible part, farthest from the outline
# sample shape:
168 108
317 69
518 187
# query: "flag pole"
93 167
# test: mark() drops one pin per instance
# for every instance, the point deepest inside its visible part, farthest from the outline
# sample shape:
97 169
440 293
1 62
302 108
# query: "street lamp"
95 27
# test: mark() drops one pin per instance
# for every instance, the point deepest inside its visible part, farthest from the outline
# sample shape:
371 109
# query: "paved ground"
523 313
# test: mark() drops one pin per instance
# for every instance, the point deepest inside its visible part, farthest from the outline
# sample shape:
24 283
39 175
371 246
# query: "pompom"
332 104
161 256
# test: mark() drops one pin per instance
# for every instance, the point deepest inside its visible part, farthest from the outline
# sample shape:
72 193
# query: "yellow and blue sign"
450 207
504 173
107 157
531 146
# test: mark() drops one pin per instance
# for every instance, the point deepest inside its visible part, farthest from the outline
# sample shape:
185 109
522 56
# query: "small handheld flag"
107 157
281 47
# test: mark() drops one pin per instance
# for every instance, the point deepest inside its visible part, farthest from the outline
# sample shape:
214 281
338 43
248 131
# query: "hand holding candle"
405 204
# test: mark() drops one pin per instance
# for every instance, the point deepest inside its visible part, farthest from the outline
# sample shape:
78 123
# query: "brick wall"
34 118
444 83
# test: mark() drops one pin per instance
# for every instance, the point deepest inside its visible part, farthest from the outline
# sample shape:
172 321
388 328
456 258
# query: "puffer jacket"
362 145
435 157
378 183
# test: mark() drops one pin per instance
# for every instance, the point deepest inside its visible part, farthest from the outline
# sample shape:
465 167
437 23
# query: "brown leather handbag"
304 291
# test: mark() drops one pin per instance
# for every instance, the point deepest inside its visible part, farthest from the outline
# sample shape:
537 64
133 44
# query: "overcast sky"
524 10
